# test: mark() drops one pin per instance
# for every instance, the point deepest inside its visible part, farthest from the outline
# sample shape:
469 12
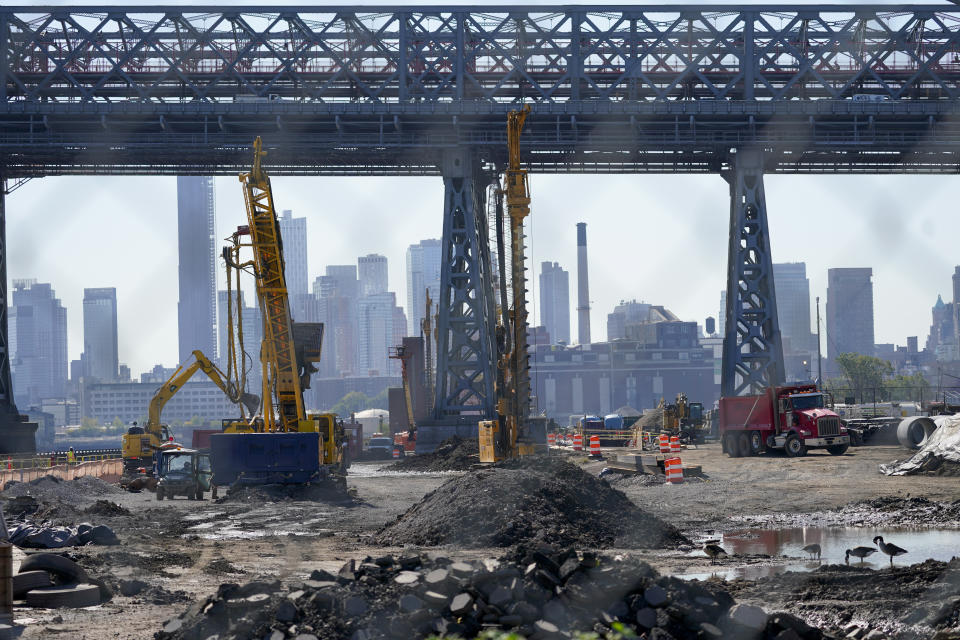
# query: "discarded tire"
73 595
23 582
913 432
64 568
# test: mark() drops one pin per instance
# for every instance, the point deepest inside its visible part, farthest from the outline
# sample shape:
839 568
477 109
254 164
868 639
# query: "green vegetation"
869 379
358 401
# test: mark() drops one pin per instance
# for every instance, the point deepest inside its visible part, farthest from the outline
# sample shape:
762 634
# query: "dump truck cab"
183 472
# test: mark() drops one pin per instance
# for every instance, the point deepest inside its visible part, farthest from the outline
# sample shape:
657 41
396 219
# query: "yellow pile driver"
509 434
285 444
683 419
140 443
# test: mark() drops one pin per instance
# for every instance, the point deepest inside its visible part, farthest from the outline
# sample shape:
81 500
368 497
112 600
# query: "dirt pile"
106 508
453 454
53 488
537 500
904 602
651 420
333 491
543 595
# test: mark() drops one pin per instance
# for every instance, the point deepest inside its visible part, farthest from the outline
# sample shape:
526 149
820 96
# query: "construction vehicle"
139 444
792 418
183 472
683 419
284 444
400 353
511 433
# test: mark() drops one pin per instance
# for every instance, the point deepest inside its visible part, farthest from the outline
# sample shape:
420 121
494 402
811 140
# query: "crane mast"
281 377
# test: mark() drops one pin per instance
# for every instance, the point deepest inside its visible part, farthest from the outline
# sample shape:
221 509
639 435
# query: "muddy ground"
183 550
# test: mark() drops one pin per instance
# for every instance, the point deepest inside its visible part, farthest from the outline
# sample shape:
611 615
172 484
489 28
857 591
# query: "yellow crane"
139 444
285 444
507 435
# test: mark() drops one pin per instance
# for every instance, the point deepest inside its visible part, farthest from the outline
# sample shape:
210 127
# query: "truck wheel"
743 444
199 494
838 449
213 492
730 444
159 493
794 446
756 443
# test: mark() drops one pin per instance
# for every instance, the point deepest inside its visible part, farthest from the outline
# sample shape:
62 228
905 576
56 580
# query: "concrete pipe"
914 431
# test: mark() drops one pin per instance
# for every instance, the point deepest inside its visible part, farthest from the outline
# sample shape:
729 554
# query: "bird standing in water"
714 551
859 552
889 548
812 549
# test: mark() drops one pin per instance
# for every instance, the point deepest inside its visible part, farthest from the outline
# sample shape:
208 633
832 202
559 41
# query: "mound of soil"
53 488
453 454
536 500
106 508
904 602
545 594
333 491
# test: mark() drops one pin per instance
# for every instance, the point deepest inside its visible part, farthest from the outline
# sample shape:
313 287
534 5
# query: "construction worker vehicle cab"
183 472
792 418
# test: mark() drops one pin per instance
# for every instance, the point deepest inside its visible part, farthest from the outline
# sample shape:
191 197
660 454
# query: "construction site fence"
109 469
606 434
51 460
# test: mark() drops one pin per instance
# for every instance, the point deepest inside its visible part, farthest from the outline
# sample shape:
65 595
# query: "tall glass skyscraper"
196 234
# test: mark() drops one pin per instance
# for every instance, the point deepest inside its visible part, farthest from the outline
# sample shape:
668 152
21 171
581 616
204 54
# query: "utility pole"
819 357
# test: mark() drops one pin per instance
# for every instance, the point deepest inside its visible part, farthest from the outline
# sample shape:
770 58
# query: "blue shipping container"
260 458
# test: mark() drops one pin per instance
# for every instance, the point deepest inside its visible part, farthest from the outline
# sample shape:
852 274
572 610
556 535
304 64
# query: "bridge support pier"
466 314
17 435
752 349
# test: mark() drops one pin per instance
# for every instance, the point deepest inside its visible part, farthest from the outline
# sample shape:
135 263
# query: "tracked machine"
284 444
513 432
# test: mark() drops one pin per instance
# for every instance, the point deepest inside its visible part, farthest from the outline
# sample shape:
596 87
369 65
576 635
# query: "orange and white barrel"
664 443
551 439
674 470
595 445
675 445
396 452
577 442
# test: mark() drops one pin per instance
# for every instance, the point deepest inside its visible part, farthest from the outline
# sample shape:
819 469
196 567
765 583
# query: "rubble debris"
329 491
220 565
939 454
535 500
106 508
542 594
908 602
53 488
73 595
453 454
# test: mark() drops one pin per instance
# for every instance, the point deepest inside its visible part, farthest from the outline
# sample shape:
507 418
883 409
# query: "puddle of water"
206 515
921 544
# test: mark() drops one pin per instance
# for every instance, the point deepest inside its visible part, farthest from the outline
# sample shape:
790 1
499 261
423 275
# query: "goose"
889 548
812 549
714 551
859 552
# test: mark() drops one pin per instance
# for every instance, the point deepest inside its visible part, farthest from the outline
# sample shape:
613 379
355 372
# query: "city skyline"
903 260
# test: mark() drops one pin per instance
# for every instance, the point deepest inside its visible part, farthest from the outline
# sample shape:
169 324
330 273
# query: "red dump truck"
792 418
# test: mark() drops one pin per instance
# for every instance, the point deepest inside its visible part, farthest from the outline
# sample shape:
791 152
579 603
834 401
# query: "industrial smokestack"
583 289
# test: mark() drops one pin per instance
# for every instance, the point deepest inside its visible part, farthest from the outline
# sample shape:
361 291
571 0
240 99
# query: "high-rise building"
196 233
423 274
100 351
555 302
376 320
39 362
793 306
252 328
337 294
294 234
372 270
849 312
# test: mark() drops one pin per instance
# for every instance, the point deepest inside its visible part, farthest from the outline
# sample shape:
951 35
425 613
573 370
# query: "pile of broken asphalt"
540 594
453 454
529 501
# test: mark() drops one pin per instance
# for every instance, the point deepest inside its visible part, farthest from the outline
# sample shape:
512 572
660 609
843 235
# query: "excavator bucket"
266 458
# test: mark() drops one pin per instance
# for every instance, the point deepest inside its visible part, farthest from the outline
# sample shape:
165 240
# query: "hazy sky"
659 238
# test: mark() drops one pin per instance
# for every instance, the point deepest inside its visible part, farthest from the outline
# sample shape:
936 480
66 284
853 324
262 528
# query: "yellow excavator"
509 434
284 444
139 444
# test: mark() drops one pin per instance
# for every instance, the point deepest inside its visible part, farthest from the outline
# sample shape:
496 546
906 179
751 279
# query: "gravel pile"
53 488
532 501
546 594
453 454
106 508
334 490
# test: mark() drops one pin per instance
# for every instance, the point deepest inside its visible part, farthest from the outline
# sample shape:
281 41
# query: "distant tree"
351 403
911 388
380 401
864 373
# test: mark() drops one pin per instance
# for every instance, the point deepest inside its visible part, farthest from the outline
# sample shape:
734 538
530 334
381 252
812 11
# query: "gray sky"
662 239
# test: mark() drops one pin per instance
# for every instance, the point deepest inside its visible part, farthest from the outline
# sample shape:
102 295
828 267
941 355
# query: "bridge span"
738 90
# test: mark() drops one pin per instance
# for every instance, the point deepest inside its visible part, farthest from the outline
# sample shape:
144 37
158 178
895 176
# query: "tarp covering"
942 446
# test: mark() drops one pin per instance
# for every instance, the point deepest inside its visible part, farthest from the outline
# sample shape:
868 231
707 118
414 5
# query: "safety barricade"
396 453
595 446
675 445
674 470
664 443
109 470
577 442
551 439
